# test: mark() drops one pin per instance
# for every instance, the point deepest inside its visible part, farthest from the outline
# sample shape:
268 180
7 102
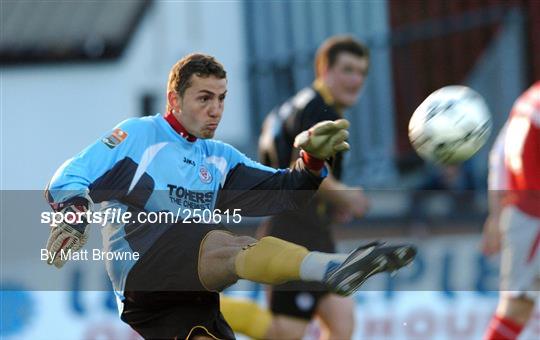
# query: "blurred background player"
341 65
513 225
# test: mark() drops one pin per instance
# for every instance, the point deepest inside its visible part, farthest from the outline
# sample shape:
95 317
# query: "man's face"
346 77
199 110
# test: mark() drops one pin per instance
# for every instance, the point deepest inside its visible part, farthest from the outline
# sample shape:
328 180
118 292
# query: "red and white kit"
519 176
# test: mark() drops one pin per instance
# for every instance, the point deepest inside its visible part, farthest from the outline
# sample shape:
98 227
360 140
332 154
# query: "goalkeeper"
164 163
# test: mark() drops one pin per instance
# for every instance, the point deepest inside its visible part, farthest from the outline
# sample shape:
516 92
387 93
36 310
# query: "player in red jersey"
513 225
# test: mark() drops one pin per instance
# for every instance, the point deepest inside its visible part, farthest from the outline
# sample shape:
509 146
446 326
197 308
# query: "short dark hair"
202 65
330 49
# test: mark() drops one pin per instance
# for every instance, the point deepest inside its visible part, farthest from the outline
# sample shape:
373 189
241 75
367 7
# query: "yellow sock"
246 317
270 260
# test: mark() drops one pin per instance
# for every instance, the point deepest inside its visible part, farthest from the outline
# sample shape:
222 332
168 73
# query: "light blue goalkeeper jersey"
143 164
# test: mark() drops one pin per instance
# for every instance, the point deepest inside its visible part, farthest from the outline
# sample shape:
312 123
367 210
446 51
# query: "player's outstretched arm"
261 191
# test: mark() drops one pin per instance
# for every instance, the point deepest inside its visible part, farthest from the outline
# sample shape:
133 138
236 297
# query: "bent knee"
221 238
216 258
243 241
222 246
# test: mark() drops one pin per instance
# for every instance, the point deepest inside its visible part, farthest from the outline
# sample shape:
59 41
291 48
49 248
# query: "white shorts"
520 258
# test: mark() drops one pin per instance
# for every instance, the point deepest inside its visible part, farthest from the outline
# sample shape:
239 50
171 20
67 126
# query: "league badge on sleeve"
115 138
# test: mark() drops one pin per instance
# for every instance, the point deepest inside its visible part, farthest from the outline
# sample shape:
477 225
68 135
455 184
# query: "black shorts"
300 299
164 298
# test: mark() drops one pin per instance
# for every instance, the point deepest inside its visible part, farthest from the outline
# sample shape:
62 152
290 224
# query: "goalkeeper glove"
66 237
324 139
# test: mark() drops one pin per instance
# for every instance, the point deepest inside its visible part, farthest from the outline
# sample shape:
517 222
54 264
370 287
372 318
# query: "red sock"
501 328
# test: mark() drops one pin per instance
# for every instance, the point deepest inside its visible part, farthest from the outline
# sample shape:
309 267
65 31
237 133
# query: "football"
450 125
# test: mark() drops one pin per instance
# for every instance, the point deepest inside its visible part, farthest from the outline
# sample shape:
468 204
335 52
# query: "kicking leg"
224 258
